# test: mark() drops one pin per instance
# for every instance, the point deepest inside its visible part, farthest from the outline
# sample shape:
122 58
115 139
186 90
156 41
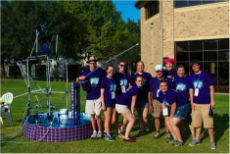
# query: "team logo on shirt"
164 101
113 87
198 84
94 81
123 82
180 87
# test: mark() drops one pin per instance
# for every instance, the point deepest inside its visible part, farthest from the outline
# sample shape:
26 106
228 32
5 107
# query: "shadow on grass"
221 124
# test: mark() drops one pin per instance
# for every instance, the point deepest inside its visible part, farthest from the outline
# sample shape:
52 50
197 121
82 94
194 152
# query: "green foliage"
92 25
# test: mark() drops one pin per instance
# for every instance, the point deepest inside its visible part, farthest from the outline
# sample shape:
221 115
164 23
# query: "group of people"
178 97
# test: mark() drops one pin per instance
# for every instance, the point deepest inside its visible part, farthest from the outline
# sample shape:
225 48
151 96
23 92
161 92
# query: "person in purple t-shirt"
91 79
123 83
108 98
170 71
168 98
142 98
155 105
202 102
181 84
126 100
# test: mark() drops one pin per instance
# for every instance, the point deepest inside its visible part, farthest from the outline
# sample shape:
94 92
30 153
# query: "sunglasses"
122 65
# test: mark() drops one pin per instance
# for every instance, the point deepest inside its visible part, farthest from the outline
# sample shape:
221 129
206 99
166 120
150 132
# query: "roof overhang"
139 3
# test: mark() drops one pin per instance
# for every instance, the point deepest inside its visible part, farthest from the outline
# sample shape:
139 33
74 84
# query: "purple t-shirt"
182 85
173 72
143 91
202 81
154 86
126 98
110 91
92 84
122 80
168 98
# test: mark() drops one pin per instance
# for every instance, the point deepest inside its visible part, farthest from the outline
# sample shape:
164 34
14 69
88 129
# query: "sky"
127 9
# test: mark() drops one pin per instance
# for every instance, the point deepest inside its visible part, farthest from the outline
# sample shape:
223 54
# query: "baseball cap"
158 68
92 59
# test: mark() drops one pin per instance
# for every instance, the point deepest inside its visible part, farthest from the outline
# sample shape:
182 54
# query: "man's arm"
191 98
173 110
212 93
150 101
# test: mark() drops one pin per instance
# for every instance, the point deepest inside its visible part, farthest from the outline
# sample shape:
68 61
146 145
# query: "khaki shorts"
122 108
93 106
156 108
201 114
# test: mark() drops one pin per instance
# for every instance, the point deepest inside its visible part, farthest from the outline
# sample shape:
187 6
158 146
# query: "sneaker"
213 145
194 142
109 138
131 139
157 135
178 143
168 136
171 141
94 135
99 134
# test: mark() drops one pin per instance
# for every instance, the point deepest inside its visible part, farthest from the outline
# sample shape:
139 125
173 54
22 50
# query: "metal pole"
47 84
78 104
67 82
29 88
37 33
114 58
73 103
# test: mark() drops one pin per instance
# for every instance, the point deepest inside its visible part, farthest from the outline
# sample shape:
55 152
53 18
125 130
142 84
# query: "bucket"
63 117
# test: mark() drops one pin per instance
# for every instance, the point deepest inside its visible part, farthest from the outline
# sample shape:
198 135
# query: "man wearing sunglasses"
91 81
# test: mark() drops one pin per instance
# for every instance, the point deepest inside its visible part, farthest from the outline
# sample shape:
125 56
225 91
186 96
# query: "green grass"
144 144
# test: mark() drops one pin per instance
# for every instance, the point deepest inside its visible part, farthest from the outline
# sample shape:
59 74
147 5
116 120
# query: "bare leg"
115 120
192 130
157 124
211 134
131 118
99 122
108 117
92 118
145 118
176 131
124 122
198 131
166 125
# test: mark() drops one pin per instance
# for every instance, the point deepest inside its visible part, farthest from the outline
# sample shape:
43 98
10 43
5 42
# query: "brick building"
187 30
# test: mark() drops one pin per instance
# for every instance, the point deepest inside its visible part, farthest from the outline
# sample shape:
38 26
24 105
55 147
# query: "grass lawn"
144 144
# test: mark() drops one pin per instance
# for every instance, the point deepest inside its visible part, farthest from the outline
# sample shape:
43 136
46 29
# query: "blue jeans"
182 111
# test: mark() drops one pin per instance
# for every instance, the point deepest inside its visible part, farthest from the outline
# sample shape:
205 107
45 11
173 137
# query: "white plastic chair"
8 99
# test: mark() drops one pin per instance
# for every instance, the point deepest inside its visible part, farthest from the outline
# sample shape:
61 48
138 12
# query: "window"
213 56
151 8
185 3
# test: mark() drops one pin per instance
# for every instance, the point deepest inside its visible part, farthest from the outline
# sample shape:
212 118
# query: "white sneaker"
99 134
94 135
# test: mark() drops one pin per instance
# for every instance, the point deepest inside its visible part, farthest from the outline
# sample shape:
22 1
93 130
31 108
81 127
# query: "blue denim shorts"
142 103
182 111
